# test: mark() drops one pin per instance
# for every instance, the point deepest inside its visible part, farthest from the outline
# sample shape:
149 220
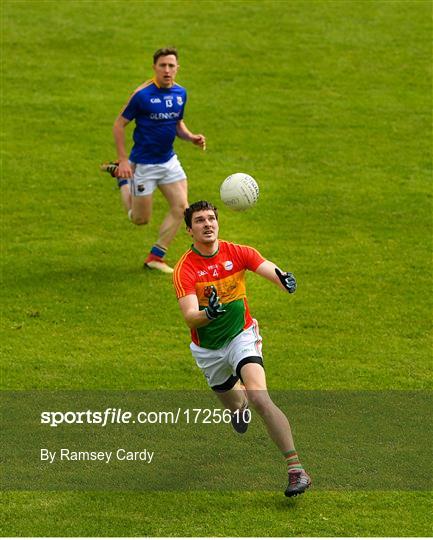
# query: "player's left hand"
287 279
215 308
199 140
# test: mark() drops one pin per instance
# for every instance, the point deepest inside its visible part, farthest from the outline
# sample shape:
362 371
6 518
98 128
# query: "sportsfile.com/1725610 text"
111 416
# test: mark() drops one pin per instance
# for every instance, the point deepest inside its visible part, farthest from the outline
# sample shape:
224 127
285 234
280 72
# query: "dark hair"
164 52
198 207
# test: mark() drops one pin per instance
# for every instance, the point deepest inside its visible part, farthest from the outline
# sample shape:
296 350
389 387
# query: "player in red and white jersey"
209 280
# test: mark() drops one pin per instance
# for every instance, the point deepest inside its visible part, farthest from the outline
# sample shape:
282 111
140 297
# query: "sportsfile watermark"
111 416
178 441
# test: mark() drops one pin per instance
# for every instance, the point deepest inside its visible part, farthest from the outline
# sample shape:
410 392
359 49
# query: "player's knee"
140 220
260 401
178 210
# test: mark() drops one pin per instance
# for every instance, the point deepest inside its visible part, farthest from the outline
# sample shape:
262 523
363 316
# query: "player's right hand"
124 169
215 308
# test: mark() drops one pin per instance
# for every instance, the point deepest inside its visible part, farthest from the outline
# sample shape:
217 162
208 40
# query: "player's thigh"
142 186
253 376
176 193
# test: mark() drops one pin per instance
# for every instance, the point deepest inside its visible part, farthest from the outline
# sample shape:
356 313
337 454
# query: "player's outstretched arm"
285 280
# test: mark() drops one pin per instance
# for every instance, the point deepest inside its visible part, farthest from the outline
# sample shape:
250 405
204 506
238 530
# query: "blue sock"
121 182
158 251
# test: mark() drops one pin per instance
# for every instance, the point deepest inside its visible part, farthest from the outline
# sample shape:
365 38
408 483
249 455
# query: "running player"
209 280
157 106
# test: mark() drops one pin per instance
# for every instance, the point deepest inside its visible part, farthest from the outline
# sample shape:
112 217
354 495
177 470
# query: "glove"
214 309
287 279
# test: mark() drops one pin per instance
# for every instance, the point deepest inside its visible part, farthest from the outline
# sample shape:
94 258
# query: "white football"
239 191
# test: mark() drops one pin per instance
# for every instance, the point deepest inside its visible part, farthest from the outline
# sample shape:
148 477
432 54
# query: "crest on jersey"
228 265
179 100
208 291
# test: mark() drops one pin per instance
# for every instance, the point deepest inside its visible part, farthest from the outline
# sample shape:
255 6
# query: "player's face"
165 70
204 227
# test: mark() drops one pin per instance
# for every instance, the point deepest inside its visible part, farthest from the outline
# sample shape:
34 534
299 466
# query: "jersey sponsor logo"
155 100
213 269
201 273
230 288
164 116
228 265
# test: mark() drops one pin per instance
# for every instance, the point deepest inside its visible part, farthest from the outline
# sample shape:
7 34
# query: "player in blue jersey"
157 107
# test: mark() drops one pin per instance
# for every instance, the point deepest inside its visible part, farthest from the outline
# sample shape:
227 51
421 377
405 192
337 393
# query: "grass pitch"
328 105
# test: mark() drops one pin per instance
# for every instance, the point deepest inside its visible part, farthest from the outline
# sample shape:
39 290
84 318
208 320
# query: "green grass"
328 105
210 514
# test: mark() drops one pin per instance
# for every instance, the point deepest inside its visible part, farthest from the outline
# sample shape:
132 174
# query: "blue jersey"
156 112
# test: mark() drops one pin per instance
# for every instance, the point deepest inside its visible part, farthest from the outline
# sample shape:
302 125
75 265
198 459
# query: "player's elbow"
117 127
191 323
119 124
193 320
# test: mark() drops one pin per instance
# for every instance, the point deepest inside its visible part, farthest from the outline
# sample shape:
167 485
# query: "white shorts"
148 177
219 365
